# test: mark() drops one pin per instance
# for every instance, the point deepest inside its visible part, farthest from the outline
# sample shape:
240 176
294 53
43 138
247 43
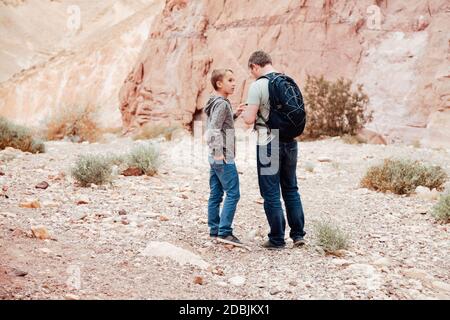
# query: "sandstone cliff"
159 57
80 67
400 55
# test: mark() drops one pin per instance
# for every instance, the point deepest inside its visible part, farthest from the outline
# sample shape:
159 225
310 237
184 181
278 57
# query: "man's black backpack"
287 110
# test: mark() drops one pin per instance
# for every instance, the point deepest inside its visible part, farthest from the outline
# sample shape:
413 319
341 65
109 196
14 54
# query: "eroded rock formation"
398 50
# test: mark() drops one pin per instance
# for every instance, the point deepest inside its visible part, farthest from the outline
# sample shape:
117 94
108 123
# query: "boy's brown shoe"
230 239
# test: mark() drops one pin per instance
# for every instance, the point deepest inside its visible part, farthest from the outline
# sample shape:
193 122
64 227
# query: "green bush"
144 157
117 160
403 176
333 109
92 169
18 137
441 211
330 237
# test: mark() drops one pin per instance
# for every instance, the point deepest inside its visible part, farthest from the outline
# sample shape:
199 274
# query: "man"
276 160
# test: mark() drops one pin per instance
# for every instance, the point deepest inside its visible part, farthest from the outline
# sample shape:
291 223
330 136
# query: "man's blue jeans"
223 178
275 172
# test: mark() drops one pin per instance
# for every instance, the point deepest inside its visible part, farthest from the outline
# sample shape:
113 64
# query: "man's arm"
253 103
250 113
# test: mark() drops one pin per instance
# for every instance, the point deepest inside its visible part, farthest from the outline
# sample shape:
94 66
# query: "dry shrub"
441 211
403 176
19 137
144 157
333 109
98 169
330 237
350 139
156 130
95 169
75 123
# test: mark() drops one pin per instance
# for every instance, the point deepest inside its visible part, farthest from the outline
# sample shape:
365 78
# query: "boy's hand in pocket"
219 158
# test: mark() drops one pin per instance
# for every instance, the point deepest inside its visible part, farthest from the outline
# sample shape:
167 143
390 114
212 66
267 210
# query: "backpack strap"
269 77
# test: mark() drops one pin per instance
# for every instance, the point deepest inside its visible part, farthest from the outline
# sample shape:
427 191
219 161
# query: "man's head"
223 81
257 62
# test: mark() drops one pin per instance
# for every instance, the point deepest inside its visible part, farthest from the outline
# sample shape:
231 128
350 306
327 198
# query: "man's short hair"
217 75
259 58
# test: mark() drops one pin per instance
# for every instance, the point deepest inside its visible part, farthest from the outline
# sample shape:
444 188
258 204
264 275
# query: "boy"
223 174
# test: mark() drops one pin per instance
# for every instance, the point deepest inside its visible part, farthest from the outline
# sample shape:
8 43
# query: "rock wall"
155 64
87 68
399 50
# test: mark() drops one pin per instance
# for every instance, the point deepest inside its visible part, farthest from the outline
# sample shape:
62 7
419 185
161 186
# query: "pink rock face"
398 50
90 71
156 64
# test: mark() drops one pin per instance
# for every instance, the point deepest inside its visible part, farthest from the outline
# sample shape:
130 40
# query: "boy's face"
227 84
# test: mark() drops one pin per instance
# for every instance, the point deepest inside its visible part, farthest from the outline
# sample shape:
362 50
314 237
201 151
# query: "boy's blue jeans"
223 178
275 172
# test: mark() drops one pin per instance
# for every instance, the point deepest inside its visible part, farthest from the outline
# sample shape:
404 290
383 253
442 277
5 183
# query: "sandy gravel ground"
157 247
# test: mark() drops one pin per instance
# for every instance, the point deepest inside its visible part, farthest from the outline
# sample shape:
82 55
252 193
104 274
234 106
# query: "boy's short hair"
259 58
217 75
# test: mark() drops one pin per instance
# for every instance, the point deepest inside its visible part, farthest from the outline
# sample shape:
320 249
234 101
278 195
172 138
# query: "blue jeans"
275 172
223 177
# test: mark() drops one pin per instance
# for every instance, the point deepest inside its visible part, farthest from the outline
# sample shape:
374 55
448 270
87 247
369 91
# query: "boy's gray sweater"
220 128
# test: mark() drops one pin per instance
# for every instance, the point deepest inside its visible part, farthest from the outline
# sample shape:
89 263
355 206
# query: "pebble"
72 297
40 232
237 281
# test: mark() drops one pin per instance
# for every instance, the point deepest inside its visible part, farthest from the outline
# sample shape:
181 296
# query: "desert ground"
147 237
